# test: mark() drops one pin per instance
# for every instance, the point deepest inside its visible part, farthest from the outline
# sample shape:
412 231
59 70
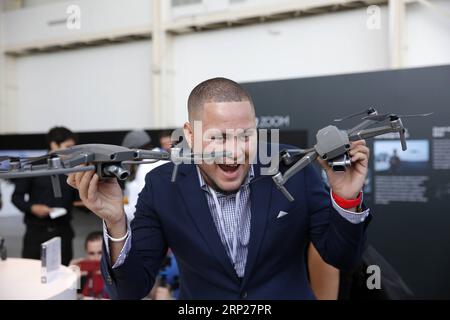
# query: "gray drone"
108 161
333 144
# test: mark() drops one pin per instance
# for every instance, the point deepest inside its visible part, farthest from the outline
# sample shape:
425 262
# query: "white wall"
99 88
35 25
317 45
3 102
109 87
31 3
427 34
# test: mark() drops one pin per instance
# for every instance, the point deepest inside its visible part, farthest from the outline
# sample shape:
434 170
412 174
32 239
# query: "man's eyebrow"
225 132
241 131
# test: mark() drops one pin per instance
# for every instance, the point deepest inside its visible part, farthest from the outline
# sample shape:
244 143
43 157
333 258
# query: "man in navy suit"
234 235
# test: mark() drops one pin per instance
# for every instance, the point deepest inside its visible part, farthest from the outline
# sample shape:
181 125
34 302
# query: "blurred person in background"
323 278
165 140
167 284
92 246
91 281
35 198
137 139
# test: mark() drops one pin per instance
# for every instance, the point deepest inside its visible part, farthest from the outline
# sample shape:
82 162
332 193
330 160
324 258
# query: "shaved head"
215 90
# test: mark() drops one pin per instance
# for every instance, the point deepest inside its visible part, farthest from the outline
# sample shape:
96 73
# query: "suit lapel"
197 207
260 195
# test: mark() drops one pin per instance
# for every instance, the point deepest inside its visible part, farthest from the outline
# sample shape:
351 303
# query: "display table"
20 279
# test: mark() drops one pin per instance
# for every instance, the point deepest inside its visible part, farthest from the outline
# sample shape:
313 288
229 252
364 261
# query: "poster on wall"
401 176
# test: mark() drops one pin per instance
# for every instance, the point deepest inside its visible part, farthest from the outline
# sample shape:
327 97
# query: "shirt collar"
204 186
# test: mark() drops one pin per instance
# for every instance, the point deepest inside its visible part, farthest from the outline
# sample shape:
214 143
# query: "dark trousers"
37 234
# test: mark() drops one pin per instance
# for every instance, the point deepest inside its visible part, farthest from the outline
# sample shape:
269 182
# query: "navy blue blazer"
176 215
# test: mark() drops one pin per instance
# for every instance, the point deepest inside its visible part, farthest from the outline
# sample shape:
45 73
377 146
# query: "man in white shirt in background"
137 139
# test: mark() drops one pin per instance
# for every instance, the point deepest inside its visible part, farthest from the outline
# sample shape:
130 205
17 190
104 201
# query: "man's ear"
54 146
188 133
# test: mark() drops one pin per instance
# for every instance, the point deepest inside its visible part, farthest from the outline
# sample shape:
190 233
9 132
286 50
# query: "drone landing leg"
403 139
174 173
56 186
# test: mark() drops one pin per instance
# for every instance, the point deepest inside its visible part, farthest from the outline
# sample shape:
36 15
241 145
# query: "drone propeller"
367 112
382 117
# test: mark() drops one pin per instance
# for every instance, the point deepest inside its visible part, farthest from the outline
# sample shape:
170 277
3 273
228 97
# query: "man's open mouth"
229 168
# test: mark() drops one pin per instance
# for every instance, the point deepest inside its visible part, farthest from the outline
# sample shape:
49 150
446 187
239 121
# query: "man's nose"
236 151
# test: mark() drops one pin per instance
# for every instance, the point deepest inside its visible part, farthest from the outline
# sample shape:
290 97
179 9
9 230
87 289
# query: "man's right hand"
103 197
40 210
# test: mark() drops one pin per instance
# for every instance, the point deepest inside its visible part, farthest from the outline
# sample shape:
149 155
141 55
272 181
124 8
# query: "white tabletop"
20 279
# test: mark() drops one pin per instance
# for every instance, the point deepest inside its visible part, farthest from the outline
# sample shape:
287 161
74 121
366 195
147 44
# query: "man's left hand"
349 183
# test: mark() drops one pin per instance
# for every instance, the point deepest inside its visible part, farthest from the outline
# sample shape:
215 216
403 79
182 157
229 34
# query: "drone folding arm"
363 125
78 160
150 155
54 165
394 126
289 156
41 171
281 179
